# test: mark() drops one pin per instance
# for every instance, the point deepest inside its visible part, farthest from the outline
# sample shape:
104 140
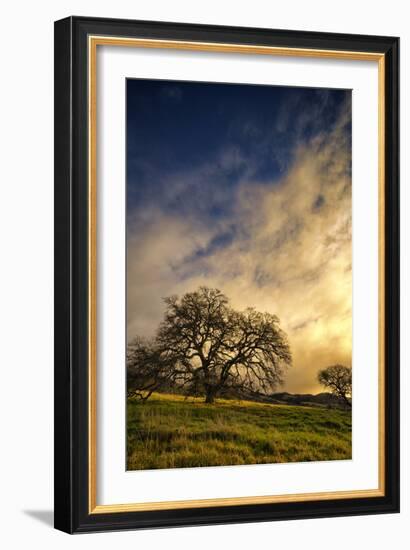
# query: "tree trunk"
210 396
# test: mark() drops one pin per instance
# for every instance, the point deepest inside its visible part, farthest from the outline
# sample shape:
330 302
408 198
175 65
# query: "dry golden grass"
170 431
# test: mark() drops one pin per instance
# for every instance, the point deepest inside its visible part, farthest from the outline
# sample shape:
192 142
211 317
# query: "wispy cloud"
171 92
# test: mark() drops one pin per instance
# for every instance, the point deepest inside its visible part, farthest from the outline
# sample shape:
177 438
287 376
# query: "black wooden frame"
71 275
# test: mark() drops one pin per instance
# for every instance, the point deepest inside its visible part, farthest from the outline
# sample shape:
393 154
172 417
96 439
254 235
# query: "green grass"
170 431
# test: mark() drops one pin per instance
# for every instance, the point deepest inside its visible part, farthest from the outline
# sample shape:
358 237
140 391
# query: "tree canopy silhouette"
338 379
204 347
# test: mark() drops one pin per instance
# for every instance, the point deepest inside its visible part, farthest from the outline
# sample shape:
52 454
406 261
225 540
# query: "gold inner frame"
93 42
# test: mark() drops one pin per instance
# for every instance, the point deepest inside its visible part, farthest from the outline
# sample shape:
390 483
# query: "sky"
245 188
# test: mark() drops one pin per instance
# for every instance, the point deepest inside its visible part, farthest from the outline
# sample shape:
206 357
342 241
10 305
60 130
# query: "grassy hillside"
169 431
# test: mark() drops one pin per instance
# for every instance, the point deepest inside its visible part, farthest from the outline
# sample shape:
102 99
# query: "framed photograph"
226 274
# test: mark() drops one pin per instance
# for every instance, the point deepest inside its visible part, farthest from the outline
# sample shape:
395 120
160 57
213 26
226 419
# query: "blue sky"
247 188
239 131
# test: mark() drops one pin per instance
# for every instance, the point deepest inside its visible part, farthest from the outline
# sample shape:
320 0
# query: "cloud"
171 92
283 247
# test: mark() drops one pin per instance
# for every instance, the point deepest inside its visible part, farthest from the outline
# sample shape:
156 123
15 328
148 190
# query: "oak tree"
338 379
205 347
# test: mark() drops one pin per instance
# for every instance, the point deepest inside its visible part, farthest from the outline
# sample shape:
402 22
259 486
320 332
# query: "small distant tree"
338 379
